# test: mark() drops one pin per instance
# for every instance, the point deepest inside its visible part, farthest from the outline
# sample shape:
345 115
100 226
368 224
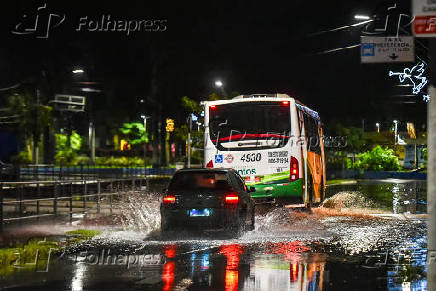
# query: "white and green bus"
273 141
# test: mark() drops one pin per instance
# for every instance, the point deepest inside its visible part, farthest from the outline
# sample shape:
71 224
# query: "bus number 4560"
251 157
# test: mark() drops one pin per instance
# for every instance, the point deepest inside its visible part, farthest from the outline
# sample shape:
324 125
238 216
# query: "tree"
354 137
66 151
31 119
378 159
134 133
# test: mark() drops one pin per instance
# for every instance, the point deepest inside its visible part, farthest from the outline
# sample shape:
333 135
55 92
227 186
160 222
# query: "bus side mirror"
251 189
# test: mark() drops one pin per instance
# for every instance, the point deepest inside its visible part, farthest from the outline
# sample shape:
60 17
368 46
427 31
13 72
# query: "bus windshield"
250 125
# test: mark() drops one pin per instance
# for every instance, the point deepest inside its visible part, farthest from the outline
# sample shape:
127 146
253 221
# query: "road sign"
424 23
69 103
381 49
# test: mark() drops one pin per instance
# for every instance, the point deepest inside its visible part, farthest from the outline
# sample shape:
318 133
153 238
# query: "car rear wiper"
248 136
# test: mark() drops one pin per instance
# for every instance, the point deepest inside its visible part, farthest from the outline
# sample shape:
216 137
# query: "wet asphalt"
370 237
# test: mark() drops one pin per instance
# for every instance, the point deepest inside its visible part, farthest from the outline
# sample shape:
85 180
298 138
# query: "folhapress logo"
39 25
105 23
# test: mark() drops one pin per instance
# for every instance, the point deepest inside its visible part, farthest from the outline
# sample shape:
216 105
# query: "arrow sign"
393 56
387 49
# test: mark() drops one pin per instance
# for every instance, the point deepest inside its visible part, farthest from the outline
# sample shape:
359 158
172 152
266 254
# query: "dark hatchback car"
208 199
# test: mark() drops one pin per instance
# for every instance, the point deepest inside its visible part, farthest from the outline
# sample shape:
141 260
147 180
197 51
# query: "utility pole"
35 152
189 140
431 171
92 141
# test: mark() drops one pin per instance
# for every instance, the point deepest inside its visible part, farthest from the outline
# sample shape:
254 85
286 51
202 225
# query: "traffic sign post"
424 25
381 49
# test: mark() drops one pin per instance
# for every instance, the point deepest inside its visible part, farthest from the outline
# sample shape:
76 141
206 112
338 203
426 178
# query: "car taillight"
169 199
231 198
294 174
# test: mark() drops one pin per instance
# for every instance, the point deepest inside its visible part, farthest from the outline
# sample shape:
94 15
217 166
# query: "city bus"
273 141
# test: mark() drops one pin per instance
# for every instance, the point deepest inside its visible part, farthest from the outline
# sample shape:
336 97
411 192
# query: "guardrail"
85 172
37 199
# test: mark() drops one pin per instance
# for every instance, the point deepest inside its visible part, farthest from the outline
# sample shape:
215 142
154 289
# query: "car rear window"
199 180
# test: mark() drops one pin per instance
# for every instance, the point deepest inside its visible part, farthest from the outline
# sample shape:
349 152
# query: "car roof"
202 170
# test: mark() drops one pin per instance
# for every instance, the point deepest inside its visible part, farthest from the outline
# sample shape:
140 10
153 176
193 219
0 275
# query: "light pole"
361 17
378 127
219 84
144 117
395 131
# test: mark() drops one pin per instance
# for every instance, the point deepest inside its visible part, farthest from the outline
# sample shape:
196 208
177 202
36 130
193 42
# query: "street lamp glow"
395 131
78 71
378 127
362 17
218 83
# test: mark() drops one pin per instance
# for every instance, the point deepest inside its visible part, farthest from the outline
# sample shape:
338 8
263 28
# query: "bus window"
250 125
312 134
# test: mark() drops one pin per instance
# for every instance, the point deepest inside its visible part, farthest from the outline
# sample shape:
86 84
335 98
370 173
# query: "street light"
378 127
78 71
395 131
144 117
218 83
362 17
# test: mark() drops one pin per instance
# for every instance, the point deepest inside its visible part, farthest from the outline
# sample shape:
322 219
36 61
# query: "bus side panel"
321 141
314 162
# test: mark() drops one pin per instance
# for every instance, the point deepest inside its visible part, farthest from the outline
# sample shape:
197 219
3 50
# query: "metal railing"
86 172
37 199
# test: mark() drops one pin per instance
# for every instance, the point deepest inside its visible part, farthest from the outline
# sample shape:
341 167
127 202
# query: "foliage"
66 158
354 137
134 133
119 161
22 158
22 104
424 153
62 139
378 159
25 253
85 233
191 105
67 154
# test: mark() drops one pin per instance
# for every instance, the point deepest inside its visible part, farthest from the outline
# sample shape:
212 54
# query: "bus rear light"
285 103
169 199
294 170
212 107
231 198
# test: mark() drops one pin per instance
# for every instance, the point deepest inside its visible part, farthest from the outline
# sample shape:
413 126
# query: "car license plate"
200 212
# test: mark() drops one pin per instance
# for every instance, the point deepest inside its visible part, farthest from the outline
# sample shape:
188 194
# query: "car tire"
165 225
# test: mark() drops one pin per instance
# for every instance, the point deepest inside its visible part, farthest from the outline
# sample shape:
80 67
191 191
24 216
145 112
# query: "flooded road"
366 237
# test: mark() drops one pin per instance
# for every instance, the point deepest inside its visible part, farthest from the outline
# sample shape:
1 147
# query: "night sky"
252 46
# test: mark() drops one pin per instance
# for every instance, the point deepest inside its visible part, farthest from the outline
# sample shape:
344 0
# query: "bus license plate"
199 212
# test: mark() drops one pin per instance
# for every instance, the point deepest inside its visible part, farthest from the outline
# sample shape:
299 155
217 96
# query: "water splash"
140 211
